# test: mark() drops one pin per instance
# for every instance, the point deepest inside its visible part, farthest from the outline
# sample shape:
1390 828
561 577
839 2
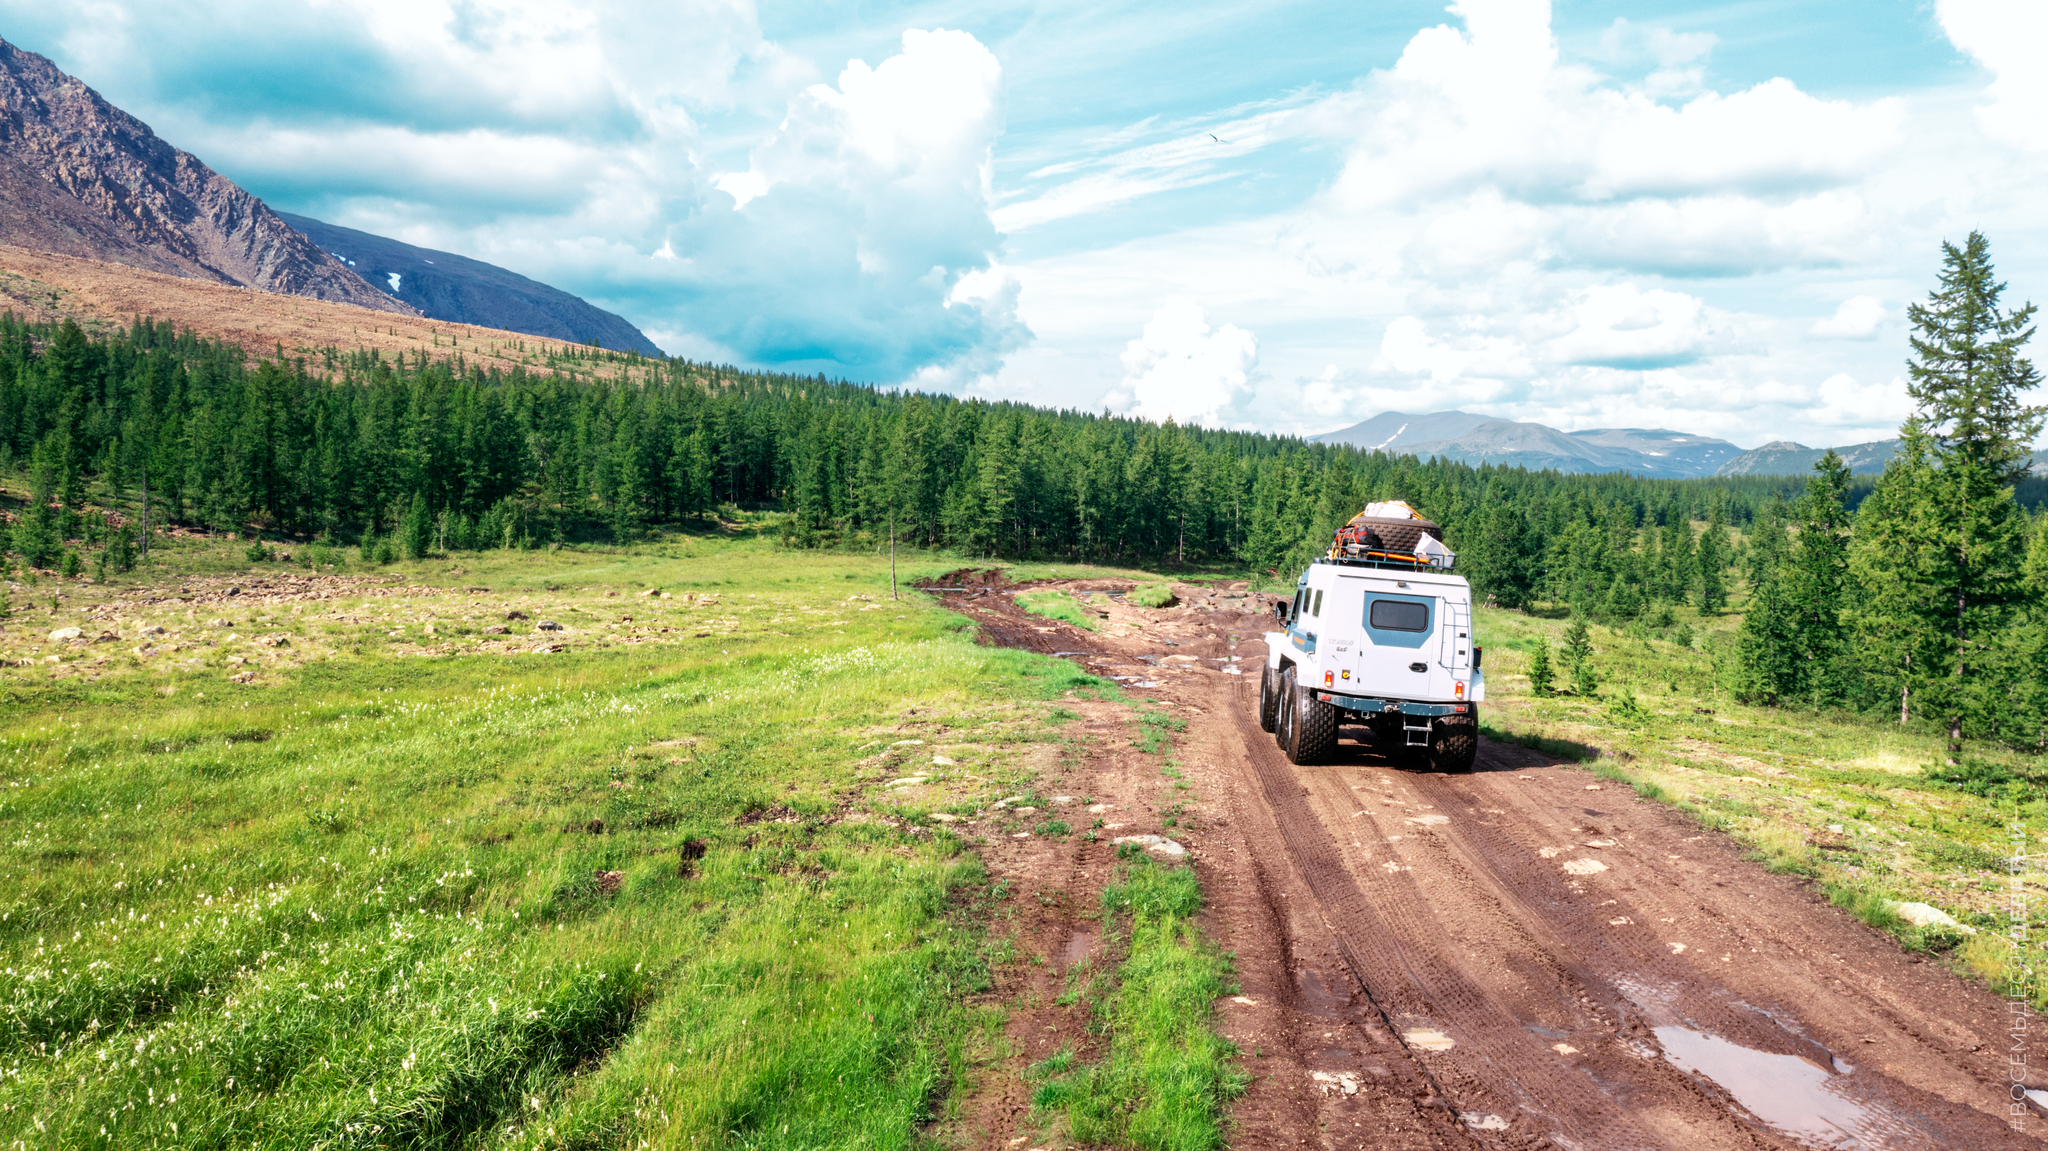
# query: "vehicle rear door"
1397 649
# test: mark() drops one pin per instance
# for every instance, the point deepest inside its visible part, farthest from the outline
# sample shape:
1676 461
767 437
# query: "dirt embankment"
1525 956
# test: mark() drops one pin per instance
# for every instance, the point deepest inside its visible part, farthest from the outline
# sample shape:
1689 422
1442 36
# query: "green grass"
1168 1074
1152 595
1060 606
401 893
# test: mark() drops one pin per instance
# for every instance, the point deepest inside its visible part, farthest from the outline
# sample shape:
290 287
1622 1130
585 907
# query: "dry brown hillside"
45 286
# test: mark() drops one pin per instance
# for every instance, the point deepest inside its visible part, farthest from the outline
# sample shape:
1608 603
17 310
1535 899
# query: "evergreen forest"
1920 594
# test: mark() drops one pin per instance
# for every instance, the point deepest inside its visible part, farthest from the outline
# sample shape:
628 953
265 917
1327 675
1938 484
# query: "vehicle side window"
1399 615
1317 611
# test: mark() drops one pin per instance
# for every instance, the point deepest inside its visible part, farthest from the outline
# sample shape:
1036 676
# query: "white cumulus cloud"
1183 369
1855 318
2010 39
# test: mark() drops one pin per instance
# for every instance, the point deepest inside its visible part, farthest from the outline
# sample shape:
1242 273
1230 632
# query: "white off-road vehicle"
1379 633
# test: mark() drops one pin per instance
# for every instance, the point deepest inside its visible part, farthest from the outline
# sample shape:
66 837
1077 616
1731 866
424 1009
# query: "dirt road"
1524 956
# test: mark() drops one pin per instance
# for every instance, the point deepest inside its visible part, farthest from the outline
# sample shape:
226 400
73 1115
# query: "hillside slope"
43 286
80 177
445 286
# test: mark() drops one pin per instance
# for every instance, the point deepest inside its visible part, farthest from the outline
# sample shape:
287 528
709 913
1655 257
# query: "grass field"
418 884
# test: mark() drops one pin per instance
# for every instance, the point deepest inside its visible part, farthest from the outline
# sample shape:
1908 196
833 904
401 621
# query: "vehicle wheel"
1269 698
1311 727
1283 708
1454 743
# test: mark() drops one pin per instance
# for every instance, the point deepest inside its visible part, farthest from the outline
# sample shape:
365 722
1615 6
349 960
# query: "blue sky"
1288 216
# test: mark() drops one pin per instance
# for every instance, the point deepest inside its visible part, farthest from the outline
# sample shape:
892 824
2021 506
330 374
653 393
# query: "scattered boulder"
1928 915
1157 845
152 629
651 593
515 614
66 633
220 623
609 882
244 677
497 629
595 827
232 590
547 625
611 593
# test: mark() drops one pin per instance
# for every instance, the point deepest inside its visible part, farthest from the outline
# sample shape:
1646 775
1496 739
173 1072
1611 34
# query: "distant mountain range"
1476 439
1653 452
1785 458
80 177
445 286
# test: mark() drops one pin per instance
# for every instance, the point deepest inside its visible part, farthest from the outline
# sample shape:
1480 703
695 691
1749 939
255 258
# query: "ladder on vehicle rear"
1412 734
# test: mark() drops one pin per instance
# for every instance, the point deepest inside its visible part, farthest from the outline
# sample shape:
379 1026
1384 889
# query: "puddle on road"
1077 948
1784 1091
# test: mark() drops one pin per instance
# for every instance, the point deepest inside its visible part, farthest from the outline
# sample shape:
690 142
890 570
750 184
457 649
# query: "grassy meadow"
415 883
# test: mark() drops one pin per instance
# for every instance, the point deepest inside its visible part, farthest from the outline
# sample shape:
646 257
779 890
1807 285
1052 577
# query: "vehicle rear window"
1399 615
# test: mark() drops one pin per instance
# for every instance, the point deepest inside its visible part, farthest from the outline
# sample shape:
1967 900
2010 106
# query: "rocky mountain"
1478 439
80 177
1785 458
445 286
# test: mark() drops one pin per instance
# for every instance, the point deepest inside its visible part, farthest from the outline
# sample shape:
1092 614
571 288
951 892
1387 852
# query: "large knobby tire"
1312 728
1283 707
1454 743
1269 698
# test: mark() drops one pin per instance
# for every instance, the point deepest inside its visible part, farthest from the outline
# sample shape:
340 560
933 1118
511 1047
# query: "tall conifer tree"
1969 380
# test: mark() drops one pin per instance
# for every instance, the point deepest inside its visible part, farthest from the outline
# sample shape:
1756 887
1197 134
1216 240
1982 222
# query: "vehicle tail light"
1458 691
1329 679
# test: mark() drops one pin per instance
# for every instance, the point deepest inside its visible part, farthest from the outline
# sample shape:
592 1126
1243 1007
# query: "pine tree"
1498 559
1768 659
1540 673
1815 578
1967 378
1893 618
416 530
1578 656
1713 559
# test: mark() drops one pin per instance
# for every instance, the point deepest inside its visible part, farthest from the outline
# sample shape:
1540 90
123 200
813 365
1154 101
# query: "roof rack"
1380 559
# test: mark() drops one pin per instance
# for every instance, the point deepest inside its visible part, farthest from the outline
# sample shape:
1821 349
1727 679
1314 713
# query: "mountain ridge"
457 288
82 178
1477 439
